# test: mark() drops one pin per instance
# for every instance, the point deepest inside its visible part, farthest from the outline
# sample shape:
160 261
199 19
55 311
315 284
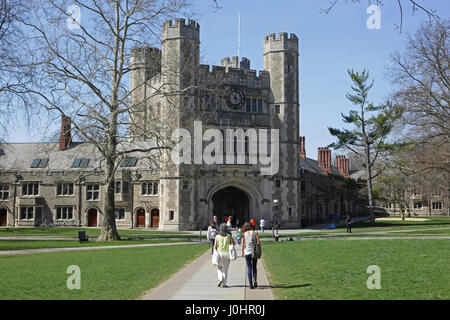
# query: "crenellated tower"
281 61
145 63
180 59
180 52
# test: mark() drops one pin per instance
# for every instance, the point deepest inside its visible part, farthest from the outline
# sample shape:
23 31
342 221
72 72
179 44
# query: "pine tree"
371 127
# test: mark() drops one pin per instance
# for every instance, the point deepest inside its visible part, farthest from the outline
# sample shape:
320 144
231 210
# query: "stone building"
63 181
327 189
169 89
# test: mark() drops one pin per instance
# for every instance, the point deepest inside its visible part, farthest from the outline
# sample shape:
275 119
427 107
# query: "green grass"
364 226
44 244
105 274
410 269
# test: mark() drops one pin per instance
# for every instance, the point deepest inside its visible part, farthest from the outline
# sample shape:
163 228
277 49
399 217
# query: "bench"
82 236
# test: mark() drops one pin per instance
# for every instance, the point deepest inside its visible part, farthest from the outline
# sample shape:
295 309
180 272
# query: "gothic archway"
231 201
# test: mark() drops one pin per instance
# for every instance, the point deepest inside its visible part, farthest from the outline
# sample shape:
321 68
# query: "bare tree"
82 56
414 5
11 76
421 78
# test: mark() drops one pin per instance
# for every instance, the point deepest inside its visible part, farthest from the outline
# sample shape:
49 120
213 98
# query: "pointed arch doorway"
231 201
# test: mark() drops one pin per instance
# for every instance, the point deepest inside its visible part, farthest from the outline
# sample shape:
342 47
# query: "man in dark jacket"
348 222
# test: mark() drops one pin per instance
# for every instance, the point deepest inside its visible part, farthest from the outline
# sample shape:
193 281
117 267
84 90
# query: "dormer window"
39 163
80 163
129 162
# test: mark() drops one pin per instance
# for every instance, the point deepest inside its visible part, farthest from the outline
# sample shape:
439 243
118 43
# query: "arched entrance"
231 201
140 223
3 217
92 217
154 222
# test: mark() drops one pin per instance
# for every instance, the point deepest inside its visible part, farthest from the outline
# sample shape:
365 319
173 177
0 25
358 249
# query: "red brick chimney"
302 148
65 136
342 163
324 159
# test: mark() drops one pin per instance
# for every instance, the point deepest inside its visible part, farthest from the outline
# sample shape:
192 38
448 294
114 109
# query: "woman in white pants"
222 245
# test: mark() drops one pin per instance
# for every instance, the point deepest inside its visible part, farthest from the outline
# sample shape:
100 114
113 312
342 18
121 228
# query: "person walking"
239 236
348 222
230 225
222 245
211 234
250 240
253 223
262 224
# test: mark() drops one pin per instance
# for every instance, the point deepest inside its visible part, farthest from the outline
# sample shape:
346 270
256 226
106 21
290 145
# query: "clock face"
236 98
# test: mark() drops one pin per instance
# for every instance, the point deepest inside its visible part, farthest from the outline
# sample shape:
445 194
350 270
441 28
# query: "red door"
92 218
141 218
2 217
155 218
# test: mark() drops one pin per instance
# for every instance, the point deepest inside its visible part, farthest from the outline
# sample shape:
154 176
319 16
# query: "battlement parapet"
145 55
180 29
233 62
283 42
282 36
239 76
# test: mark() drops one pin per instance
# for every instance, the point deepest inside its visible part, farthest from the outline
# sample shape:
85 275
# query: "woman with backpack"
251 250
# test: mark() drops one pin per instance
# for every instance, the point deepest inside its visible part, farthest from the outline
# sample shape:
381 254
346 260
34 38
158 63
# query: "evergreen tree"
371 127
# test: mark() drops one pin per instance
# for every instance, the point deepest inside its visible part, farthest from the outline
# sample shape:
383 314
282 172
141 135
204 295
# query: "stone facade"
191 193
326 189
171 196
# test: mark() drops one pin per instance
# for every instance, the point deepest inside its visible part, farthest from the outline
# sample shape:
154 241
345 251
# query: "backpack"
256 249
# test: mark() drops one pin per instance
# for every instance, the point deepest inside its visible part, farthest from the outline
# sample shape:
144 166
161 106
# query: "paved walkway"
198 281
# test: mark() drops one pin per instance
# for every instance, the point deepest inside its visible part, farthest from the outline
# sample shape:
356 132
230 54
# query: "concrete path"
198 281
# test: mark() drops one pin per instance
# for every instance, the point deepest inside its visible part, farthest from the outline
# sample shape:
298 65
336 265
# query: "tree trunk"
109 231
369 187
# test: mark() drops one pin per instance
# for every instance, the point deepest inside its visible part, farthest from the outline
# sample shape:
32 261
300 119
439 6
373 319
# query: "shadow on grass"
284 286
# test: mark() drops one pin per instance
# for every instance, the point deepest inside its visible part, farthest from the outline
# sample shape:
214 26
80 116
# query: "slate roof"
313 166
19 156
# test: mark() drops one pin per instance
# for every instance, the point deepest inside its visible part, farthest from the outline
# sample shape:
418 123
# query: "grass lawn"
410 269
42 244
105 274
364 226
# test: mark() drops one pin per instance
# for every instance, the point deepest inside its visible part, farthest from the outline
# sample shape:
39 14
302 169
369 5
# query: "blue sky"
329 45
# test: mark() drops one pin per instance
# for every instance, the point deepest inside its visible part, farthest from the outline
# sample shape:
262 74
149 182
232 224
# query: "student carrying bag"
256 249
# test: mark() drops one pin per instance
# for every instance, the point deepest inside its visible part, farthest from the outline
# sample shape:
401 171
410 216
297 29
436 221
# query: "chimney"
302 148
324 159
342 164
65 137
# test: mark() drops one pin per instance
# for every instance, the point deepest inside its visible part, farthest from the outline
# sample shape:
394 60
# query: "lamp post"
275 212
